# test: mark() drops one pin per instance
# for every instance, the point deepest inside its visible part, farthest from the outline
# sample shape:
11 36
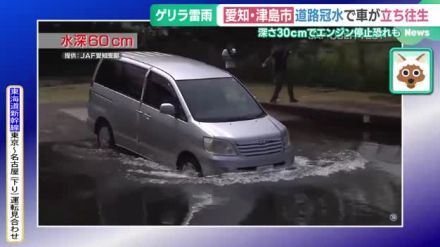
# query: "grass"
64 93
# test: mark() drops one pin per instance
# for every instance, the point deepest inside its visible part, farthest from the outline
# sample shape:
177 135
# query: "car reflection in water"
75 200
145 206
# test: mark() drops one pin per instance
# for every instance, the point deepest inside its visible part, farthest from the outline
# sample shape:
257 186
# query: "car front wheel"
189 165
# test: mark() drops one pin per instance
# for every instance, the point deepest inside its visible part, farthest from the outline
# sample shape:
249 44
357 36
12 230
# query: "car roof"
178 67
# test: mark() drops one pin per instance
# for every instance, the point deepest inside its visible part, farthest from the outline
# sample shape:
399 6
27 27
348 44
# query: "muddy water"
341 177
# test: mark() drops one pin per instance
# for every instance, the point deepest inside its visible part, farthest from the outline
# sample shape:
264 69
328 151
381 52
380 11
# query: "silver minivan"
185 114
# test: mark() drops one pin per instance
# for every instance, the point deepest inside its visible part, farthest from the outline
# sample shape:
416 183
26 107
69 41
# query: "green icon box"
411 71
174 15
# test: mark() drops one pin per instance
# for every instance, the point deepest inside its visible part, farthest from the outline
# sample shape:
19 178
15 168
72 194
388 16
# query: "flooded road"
343 176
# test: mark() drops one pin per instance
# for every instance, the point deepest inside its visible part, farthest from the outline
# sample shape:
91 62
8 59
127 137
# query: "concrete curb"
348 116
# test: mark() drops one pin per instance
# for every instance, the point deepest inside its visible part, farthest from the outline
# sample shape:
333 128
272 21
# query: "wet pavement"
343 176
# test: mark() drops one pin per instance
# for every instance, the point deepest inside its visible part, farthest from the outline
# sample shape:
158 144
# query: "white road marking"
79 113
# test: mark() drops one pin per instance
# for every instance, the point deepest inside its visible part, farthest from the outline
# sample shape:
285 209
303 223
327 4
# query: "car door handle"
144 114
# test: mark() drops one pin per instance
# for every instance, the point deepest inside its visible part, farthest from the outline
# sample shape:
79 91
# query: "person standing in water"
278 59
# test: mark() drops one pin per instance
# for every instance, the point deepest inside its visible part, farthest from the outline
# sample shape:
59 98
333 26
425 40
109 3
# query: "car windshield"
219 100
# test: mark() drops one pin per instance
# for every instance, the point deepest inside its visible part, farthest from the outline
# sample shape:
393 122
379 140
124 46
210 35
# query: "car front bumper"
216 164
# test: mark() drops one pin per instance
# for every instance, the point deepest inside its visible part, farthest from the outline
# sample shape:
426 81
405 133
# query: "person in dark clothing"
229 55
278 58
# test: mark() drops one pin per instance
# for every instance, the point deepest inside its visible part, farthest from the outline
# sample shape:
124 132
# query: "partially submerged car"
185 114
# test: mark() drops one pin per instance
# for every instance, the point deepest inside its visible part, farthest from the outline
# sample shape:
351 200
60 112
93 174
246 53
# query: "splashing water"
146 171
339 162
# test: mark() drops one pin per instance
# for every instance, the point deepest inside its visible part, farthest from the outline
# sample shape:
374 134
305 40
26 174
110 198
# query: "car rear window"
123 77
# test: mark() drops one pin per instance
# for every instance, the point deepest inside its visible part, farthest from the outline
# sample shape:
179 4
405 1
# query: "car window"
132 80
159 91
123 77
106 75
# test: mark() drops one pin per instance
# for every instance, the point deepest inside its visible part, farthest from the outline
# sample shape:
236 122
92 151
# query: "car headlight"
286 139
218 147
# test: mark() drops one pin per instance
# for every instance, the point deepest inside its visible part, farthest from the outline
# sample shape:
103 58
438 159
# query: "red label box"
258 15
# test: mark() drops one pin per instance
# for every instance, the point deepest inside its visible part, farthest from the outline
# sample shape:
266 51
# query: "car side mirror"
167 108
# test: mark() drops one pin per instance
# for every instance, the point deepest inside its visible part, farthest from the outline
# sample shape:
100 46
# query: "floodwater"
342 176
